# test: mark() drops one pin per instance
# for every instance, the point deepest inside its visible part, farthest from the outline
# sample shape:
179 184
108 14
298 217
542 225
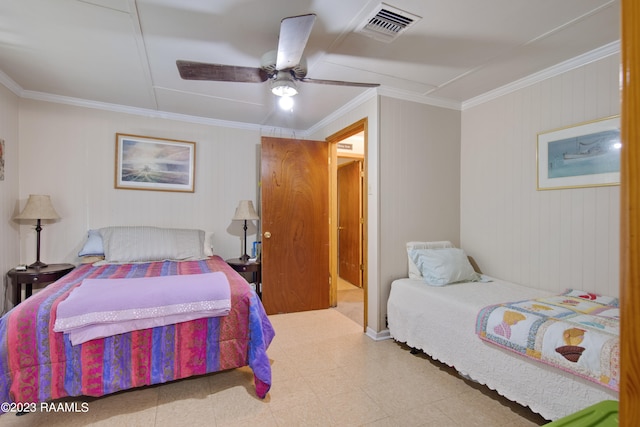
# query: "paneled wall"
9 230
69 153
419 181
547 239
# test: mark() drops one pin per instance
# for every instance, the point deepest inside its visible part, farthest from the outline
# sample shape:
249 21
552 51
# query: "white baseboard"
378 336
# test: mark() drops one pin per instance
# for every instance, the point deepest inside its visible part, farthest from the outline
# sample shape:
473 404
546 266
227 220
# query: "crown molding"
383 91
355 102
117 108
571 64
10 84
422 99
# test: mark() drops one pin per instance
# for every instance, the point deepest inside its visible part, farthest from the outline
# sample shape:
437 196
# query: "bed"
441 321
39 364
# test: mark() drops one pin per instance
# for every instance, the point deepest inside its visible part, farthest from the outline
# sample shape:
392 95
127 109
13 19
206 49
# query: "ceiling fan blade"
220 73
338 82
294 34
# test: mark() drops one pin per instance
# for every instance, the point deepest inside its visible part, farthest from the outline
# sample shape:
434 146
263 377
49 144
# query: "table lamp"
245 212
38 207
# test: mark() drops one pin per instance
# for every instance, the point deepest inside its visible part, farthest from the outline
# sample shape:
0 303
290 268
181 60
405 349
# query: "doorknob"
267 235
340 228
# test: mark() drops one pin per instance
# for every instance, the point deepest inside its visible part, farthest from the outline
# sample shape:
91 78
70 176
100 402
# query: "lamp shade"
245 211
38 207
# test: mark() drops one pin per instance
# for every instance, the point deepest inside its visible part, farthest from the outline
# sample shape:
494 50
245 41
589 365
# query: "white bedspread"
441 322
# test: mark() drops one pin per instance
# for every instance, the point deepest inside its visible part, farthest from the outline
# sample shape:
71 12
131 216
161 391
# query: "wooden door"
295 225
350 222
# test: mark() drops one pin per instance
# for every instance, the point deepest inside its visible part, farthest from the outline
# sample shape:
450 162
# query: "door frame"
629 222
355 128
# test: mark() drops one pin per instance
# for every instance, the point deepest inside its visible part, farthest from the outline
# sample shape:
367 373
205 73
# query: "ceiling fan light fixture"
286 103
284 85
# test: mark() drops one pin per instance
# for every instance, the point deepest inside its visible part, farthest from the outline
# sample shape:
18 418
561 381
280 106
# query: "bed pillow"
444 266
93 245
90 259
208 243
414 271
590 296
145 243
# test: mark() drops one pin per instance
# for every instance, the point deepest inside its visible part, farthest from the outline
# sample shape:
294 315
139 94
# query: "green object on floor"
603 414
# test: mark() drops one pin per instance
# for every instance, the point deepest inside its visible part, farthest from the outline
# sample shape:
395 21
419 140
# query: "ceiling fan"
282 68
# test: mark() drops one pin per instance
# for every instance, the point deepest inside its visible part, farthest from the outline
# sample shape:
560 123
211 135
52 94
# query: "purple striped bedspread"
38 364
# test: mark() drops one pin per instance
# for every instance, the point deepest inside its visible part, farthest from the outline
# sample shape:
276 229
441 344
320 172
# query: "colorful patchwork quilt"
576 331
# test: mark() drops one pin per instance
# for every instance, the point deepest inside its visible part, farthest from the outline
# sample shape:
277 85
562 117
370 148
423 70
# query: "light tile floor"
326 372
351 301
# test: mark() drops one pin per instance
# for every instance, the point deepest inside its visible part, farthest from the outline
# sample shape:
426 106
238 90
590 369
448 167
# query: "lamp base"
244 258
38 264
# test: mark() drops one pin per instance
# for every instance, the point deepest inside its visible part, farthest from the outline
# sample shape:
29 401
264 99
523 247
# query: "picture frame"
156 164
1 159
583 155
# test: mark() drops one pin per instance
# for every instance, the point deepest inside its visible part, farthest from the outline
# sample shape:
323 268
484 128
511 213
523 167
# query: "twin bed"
161 330
446 320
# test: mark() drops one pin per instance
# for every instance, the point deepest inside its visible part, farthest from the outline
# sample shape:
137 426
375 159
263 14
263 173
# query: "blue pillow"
93 246
443 266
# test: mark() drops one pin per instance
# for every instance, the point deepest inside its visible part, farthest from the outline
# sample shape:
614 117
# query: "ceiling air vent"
386 23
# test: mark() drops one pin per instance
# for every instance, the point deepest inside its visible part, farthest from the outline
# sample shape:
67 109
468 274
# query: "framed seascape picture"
584 155
146 163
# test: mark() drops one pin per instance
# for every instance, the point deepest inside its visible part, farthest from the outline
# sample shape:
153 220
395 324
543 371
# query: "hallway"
351 301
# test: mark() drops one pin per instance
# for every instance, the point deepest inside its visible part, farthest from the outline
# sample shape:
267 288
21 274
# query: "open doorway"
348 221
350 300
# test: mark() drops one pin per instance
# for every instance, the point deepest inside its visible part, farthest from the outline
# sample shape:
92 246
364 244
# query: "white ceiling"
124 52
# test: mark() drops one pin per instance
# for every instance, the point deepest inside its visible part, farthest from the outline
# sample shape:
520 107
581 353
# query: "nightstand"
47 274
252 267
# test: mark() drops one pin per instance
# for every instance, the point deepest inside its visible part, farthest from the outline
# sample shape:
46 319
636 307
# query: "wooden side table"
252 267
47 274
